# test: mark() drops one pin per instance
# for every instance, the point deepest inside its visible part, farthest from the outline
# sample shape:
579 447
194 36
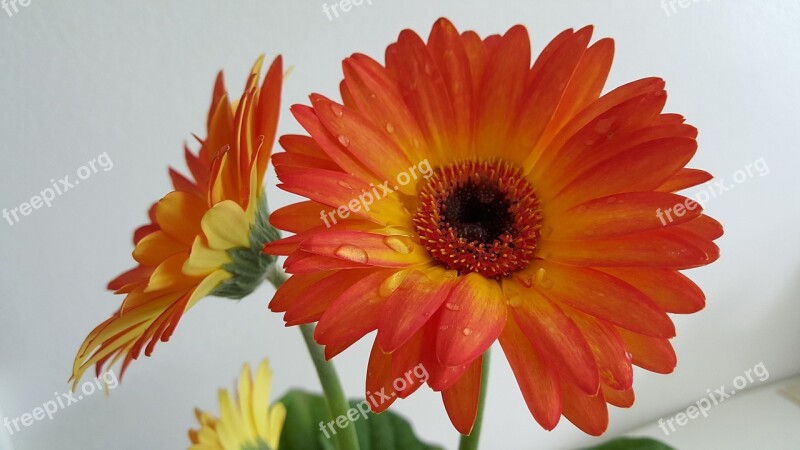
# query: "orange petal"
613 361
501 93
378 98
405 361
666 248
620 399
314 301
670 290
293 289
621 214
586 82
307 118
367 248
450 54
440 377
301 262
597 141
550 79
554 334
138 274
352 315
298 217
587 412
156 247
423 89
705 227
477 56
344 194
596 108
653 354
179 215
536 378
605 297
684 179
363 140
472 319
410 306
301 145
379 391
461 400
642 168
297 160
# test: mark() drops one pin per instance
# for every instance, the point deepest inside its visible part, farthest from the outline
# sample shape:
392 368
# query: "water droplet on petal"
391 284
337 110
514 300
546 282
389 128
344 140
467 331
452 306
400 244
546 232
344 184
352 253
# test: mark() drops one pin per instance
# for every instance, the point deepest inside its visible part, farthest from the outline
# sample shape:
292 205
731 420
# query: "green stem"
471 442
346 439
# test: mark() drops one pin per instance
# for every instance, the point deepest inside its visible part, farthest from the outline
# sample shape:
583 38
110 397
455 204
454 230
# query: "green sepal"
249 266
305 411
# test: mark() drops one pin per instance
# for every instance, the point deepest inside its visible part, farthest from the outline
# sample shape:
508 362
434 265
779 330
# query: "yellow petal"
226 226
204 260
208 284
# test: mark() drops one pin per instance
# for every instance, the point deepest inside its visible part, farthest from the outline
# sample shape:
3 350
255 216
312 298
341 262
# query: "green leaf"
305 411
632 444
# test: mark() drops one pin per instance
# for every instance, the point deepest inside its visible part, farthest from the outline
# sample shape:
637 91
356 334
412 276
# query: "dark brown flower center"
479 217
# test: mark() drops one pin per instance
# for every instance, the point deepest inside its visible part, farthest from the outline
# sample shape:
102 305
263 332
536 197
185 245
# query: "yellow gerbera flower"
249 425
205 237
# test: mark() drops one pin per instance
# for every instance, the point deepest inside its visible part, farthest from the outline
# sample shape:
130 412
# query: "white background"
134 79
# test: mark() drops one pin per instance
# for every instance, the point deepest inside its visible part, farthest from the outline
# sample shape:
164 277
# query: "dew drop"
344 140
352 253
514 300
344 184
337 110
391 284
400 244
546 232
452 306
546 283
467 331
389 128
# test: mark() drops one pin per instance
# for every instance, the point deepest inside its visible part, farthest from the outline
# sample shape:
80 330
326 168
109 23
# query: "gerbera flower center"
479 217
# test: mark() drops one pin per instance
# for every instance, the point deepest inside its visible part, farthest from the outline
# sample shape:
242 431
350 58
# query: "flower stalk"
346 439
470 442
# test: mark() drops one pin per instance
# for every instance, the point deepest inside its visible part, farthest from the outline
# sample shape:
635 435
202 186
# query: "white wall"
133 79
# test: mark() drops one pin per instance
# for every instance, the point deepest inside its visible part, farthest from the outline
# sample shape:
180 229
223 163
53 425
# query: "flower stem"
346 439
471 442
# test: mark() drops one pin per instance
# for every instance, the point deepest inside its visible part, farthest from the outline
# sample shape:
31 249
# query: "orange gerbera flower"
205 237
461 195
